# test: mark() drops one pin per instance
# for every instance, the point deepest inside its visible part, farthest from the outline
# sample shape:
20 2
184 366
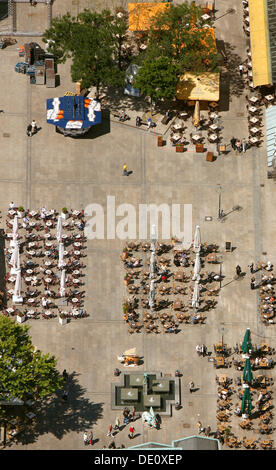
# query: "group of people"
239 145
201 350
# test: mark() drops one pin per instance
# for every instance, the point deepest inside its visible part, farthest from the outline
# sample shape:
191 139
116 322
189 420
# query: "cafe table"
77 252
252 109
77 244
254 120
47 235
49 223
213 127
32 224
129 394
220 361
254 130
253 140
48 263
213 115
269 97
222 379
31 252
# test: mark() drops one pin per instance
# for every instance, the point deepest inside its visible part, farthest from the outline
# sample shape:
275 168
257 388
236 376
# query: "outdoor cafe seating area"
237 427
173 307
50 266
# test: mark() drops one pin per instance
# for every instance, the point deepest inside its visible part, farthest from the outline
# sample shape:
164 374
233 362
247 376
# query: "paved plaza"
53 171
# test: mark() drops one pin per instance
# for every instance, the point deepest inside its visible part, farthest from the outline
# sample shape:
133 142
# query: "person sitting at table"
237 410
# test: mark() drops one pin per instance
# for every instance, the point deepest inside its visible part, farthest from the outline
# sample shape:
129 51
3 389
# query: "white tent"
197 267
61 255
17 297
62 284
197 239
14 231
195 299
59 229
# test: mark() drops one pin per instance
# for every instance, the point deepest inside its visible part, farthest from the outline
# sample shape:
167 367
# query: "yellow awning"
259 41
140 15
201 87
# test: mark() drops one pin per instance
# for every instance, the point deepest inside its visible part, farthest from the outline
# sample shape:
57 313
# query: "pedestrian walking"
64 395
117 423
131 432
241 70
125 415
203 350
244 145
251 267
238 147
198 349
110 433
200 428
238 270
29 130
90 438
34 127
65 375
233 143
132 414
253 283
191 386
207 430
85 438
125 172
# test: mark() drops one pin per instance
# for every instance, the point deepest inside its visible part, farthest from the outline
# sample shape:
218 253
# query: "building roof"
141 14
202 86
270 124
186 443
259 40
197 443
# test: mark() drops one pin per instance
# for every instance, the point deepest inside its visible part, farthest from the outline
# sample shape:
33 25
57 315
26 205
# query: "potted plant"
174 240
62 319
124 254
64 213
125 307
20 317
179 148
21 212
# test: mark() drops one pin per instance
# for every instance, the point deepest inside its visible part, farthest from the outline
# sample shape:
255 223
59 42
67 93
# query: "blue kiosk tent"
73 115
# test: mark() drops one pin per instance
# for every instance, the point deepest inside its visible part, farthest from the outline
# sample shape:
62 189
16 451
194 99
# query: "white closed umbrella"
15 228
17 298
59 229
152 263
195 299
15 259
152 294
153 237
197 239
62 284
197 267
61 255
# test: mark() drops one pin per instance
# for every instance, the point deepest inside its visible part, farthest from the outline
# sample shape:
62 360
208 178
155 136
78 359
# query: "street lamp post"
219 190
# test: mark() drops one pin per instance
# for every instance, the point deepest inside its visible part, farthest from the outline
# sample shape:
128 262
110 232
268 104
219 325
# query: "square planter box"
62 321
65 215
160 141
179 148
20 319
199 148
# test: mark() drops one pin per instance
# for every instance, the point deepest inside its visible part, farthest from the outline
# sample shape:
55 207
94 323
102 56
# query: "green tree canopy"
22 370
157 78
93 41
178 33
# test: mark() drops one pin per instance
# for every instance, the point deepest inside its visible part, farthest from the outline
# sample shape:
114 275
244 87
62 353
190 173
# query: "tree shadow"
53 416
231 83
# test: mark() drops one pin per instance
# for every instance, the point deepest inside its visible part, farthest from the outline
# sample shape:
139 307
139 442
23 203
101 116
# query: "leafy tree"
178 34
94 42
157 78
24 372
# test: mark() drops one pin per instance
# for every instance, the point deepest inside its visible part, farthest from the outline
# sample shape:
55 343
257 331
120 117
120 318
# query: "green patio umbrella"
247 372
246 401
246 344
